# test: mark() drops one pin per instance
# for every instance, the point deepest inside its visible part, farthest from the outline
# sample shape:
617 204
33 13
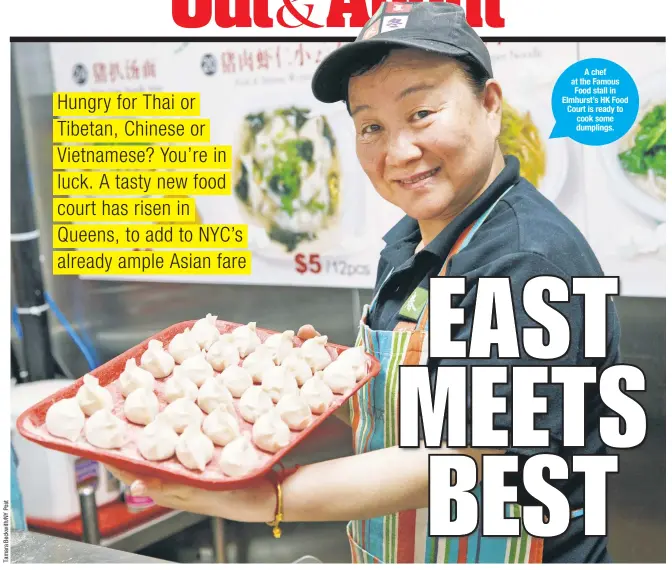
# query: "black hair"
475 74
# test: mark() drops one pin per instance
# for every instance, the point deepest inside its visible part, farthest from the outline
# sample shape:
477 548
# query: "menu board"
258 96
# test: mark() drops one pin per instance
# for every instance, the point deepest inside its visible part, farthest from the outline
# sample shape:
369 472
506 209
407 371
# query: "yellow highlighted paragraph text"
138 183
123 210
152 263
126 104
101 236
131 130
134 157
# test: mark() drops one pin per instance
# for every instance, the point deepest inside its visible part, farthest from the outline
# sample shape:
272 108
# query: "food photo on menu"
385 284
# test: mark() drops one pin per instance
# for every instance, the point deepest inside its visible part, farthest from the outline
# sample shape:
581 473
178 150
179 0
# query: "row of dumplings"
208 371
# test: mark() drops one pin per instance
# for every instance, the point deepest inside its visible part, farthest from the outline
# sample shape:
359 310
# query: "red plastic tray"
31 422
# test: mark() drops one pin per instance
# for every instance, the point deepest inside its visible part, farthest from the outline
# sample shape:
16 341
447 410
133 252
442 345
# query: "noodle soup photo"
286 176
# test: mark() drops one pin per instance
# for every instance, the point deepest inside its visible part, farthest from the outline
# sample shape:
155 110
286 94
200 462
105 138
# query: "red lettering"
100 72
262 59
261 17
245 14
115 72
132 70
357 9
201 16
473 10
149 69
493 14
229 62
241 17
246 61
301 55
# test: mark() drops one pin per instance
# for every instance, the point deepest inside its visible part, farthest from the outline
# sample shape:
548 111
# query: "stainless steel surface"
307 560
219 539
153 531
118 315
89 510
33 548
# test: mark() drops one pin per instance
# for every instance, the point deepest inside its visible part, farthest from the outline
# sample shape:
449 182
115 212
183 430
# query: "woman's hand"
252 504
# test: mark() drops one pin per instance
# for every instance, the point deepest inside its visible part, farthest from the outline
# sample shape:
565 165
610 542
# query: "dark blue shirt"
525 236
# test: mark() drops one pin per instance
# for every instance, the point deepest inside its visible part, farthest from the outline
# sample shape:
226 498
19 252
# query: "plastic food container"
31 422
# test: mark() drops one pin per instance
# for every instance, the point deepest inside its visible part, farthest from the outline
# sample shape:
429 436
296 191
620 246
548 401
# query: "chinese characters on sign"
130 69
274 57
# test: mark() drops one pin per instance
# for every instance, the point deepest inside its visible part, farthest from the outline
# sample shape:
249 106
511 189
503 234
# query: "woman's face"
426 141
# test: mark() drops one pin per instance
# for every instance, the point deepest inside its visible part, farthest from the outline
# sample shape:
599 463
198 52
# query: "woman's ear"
493 103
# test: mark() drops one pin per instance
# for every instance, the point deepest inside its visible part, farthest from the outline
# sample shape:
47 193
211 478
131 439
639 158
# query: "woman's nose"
401 150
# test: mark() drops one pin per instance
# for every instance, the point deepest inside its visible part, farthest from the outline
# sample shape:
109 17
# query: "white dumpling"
222 354
141 407
105 430
315 353
294 411
317 394
133 377
65 419
213 393
197 369
253 403
194 449
295 352
183 345
221 426
278 382
179 386
356 357
157 440
205 331
237 379
246 339
340 377
156 360
182 413
280 344
93 397
296 364
257 362
239 457
270 433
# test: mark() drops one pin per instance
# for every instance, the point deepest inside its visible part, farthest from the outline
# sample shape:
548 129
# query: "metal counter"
30 548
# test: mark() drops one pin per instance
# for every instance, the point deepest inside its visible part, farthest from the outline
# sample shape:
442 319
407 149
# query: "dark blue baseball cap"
436 27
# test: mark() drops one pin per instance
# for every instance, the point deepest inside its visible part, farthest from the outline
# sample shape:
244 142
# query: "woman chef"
427 114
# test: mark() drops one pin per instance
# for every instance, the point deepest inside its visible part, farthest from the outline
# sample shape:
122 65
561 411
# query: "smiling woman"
426 132
427 112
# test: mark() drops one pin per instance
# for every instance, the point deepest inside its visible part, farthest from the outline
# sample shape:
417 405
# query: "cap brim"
331 77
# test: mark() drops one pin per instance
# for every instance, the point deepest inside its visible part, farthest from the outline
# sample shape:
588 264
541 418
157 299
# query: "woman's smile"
420 180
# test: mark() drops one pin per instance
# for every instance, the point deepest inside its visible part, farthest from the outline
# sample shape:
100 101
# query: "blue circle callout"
595 102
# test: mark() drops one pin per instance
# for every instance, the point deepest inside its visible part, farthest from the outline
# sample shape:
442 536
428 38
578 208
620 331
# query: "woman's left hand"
251 504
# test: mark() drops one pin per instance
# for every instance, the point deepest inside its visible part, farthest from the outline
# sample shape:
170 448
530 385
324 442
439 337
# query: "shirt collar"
407 231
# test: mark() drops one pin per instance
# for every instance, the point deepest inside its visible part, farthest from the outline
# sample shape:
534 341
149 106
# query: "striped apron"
403 537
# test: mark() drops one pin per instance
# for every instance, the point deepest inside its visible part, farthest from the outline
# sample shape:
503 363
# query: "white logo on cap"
394 23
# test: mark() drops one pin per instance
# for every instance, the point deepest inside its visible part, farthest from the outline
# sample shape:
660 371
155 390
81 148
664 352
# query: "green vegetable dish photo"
643 152
287 176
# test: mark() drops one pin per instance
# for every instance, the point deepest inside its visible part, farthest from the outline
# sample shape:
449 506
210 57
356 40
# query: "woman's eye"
370 129
422 114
